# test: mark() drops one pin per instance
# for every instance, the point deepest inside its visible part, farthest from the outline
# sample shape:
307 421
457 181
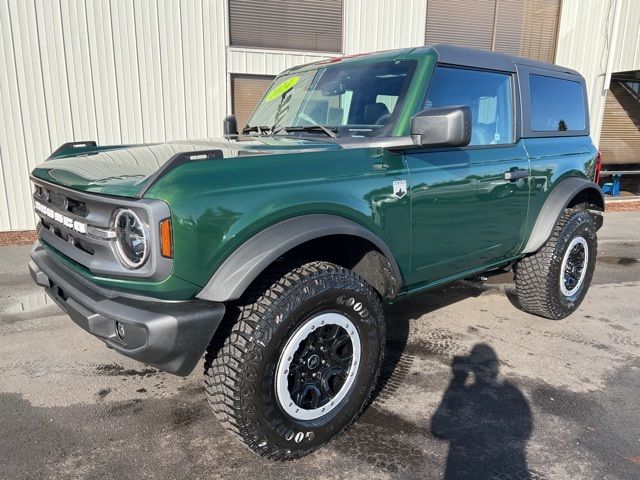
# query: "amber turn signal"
166 239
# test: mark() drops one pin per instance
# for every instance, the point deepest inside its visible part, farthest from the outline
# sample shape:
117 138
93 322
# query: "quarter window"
488 94
556 104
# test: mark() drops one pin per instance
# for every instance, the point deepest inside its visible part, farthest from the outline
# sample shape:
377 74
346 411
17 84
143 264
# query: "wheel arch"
568 193
300 236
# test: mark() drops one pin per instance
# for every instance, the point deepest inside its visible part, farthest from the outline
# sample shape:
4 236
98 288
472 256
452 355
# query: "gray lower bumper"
171 336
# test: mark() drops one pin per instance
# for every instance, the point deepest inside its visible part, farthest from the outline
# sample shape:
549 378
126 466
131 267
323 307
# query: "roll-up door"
527 28
460 22
246 92
620 137
314 25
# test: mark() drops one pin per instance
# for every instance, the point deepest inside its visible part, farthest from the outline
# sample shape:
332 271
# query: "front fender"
237 272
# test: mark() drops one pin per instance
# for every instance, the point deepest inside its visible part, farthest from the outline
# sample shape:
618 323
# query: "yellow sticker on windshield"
283 88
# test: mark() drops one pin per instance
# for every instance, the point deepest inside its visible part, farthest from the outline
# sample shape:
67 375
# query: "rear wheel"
553 282
301 359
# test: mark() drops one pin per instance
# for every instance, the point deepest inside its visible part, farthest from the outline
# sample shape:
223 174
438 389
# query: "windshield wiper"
332 132
256 128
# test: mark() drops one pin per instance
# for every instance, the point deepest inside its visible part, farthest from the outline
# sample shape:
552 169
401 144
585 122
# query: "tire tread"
249 324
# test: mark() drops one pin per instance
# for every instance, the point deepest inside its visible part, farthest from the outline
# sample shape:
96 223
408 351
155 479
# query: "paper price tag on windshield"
282 88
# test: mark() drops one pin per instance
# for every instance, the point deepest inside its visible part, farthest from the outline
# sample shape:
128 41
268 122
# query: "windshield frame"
348 131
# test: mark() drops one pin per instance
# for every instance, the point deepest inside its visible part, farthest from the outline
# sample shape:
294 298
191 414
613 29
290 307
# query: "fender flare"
553 206
238 270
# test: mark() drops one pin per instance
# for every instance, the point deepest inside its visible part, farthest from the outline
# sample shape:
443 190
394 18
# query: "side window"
556 104
488 94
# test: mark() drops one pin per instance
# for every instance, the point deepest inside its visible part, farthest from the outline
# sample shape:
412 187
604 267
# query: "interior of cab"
355 98
486 93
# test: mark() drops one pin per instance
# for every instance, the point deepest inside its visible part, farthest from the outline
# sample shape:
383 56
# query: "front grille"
57 199
77 207
61 201
79 226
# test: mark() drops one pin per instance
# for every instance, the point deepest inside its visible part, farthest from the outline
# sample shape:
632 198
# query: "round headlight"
131 239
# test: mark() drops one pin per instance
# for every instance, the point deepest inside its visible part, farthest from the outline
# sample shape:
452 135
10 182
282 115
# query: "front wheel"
301 360
553 282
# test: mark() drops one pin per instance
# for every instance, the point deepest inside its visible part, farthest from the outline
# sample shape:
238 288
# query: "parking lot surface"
543 400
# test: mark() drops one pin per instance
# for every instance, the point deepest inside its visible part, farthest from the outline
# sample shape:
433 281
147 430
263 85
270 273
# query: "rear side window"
556 104
487 94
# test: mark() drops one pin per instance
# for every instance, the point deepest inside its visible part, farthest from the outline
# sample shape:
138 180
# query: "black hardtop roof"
473 57
447 54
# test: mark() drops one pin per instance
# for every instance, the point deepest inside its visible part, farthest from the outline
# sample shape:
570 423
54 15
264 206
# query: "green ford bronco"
357 182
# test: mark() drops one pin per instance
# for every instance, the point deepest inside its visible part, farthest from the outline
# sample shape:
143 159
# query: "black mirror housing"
230 125
442 127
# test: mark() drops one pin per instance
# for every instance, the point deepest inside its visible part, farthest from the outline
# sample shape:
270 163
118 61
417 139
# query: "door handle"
514 175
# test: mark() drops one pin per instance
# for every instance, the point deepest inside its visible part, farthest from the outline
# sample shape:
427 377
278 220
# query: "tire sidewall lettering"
354 305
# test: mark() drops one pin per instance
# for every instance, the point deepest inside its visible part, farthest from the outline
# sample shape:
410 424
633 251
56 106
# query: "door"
469 205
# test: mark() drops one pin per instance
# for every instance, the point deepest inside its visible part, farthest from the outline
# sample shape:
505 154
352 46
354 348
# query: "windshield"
349 100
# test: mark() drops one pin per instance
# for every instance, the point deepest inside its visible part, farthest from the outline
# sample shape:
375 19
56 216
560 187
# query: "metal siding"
372 25
628 48
146 71
267 62
583 39
115 71
583 44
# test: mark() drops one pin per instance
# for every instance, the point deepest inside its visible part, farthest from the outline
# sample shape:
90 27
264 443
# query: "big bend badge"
400 188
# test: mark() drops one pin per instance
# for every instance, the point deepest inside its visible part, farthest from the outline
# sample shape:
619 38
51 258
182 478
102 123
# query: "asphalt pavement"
553 399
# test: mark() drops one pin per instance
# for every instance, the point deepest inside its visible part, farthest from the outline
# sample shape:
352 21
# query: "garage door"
527 28
314 25
246 92
620 137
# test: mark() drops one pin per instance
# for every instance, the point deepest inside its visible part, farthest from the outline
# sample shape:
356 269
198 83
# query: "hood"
123 170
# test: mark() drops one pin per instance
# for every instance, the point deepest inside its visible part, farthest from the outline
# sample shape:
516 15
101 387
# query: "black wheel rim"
574 265
318 366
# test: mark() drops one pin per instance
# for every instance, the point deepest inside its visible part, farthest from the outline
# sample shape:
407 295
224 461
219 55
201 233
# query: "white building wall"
372 25
584 44
123 71
627 55
112 71
269 62
369 26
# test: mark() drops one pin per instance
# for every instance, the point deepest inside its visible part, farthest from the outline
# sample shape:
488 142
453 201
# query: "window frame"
515 104
283 49
394 116
525 72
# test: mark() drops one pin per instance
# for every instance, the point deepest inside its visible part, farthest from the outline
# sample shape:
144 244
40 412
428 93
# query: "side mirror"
230 125
443 127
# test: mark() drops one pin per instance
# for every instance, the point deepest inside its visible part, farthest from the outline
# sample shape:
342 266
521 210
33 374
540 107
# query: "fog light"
120 330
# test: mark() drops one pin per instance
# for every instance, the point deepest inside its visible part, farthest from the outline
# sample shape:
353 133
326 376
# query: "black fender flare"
553 206
238 270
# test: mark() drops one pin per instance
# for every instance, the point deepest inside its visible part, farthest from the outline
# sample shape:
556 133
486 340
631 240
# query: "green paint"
459 215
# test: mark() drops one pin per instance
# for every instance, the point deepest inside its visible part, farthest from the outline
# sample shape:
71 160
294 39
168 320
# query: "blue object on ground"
612 188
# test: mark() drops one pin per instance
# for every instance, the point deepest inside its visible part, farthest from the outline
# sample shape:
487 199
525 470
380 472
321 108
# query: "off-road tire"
239 375
537 277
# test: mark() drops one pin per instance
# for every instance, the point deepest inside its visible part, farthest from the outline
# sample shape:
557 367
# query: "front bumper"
171 336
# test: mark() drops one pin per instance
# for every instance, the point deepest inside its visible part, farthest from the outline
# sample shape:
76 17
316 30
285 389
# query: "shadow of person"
487 422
